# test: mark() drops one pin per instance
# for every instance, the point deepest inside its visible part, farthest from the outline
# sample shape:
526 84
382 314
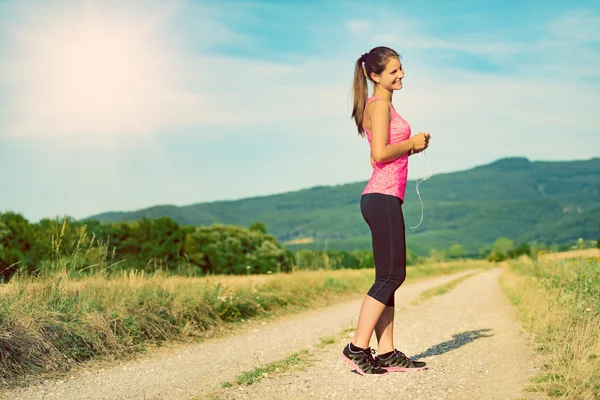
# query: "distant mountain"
546 201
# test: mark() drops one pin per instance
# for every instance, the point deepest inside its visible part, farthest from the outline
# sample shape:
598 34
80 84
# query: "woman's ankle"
356 348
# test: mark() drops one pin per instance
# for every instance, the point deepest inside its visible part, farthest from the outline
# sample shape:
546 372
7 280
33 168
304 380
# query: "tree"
146 244
258 226
17 243
456 251
485 250
4 232
436 255
521 249
500 249
412 258
228 249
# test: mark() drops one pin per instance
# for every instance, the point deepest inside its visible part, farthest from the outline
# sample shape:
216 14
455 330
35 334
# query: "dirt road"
469 337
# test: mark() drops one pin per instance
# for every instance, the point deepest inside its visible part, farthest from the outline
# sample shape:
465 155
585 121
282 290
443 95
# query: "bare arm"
381 151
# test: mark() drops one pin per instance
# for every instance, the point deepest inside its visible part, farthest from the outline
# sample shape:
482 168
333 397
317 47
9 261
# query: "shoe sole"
402 369
352 364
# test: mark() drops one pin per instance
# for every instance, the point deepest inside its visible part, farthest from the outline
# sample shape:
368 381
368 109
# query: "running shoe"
362 361
398 362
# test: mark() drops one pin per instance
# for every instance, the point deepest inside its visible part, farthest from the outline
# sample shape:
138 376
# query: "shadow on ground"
457 341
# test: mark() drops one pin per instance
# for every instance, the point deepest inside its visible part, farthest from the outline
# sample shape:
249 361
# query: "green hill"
546 201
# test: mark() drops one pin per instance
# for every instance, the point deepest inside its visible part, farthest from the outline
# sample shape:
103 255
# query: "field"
53 323
559 302
570 255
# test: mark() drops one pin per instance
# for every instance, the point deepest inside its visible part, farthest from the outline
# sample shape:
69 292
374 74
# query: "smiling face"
391 77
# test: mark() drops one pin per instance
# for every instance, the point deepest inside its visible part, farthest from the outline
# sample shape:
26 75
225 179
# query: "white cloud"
311 97
577 27
568 41
493 50
357 26
570 47
388 39
100 71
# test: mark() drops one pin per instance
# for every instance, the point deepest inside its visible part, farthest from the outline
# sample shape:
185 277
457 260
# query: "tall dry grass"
51 323
559 302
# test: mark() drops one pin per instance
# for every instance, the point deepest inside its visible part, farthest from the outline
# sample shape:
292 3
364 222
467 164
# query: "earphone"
418 183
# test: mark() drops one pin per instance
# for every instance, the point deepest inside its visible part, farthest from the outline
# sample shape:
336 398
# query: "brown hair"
374 61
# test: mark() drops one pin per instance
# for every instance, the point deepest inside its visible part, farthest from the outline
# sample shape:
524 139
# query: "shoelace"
369 356
400 354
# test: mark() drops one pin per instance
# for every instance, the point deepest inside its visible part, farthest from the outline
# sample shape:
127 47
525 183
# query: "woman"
381 202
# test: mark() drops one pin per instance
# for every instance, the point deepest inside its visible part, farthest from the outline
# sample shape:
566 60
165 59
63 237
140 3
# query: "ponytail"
374 62
359 89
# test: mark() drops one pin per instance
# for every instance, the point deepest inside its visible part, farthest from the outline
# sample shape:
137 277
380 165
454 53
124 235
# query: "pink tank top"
390 177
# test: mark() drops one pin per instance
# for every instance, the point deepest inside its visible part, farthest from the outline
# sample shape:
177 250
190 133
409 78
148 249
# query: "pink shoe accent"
353 365
402 369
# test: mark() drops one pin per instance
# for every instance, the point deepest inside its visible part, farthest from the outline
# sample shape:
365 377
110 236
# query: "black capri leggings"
383 214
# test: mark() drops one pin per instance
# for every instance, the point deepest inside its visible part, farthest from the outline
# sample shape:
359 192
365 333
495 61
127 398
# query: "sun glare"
90 73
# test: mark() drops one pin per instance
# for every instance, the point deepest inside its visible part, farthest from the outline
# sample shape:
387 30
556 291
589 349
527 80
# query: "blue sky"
107 106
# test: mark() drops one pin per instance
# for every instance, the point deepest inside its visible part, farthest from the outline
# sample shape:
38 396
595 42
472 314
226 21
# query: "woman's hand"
419 142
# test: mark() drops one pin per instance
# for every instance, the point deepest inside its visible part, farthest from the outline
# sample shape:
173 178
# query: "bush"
333 259
151 245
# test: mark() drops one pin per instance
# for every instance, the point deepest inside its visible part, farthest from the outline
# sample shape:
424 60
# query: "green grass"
295 361
440 289
51 323
559 302
331 339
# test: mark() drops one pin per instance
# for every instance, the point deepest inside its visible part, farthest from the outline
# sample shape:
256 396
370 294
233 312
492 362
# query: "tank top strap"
380 98
373 98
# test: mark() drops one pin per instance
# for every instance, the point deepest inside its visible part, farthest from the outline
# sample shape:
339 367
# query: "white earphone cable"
418 183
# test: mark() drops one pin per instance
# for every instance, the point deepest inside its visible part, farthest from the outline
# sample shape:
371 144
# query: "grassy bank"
559 302
49 324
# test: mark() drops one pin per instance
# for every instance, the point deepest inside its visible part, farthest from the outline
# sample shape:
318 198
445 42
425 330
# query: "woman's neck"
384 94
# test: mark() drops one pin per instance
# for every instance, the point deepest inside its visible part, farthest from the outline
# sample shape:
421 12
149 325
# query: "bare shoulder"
378 108
378 104
377 114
